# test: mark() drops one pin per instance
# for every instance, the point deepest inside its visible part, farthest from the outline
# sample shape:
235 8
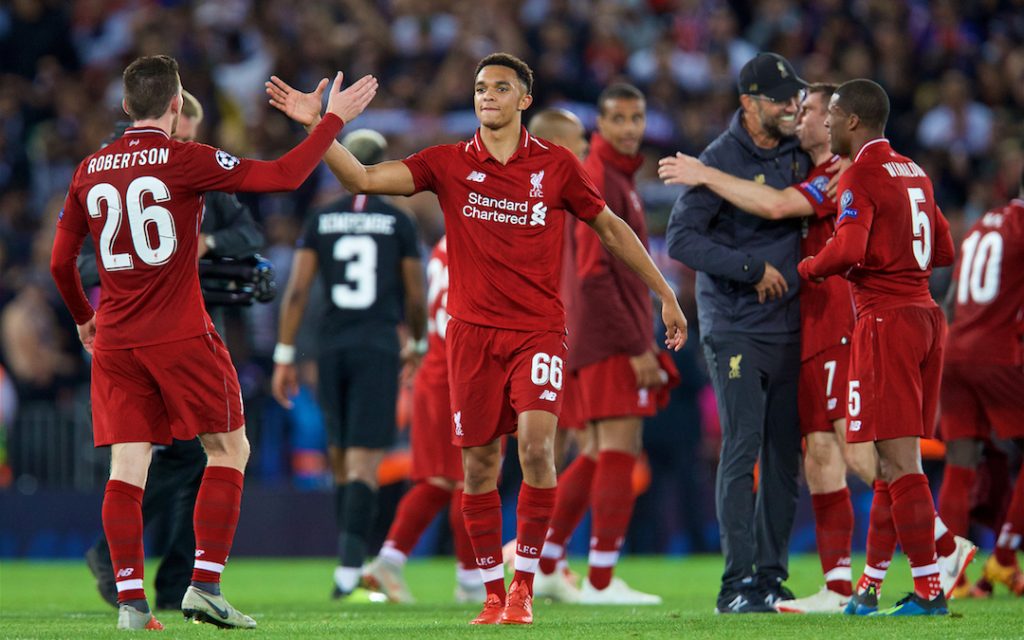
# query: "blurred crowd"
953 69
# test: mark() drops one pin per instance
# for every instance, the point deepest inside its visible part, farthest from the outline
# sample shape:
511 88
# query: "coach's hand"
285 384
675 323
87 333
772 284
647 370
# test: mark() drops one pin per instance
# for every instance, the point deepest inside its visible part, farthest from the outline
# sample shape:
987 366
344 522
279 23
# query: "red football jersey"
890 198
505 223
435 365
826 308
141 197
988 322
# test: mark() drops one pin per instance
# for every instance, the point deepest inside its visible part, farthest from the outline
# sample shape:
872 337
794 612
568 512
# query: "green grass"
289 599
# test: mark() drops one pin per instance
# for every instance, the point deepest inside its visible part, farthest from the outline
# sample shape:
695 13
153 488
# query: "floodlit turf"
290 599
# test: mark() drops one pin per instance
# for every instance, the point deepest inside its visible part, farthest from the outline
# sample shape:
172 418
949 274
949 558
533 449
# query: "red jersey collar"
526 141
870 143
132 131
607 153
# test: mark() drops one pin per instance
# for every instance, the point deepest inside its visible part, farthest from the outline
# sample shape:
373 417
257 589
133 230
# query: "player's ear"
525 102
124 107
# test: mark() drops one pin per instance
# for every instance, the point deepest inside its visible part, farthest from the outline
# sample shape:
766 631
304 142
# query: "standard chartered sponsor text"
496 210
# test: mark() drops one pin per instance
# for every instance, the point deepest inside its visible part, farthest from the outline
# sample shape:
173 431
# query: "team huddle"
536 317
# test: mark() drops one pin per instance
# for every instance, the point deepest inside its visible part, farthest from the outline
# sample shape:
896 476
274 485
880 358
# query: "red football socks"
216 516
1012 530
881 544
612 506
833 525
460 539
955 498
416 510
913 514
482 515
122 524
571 502
533 512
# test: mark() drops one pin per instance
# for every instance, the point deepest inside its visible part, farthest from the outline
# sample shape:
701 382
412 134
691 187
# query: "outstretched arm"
759 199
621 241
392 177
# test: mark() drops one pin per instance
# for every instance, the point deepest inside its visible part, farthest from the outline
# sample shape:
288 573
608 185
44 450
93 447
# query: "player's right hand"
284 385
647 370
87 333
676 327
772 285
350 103
681 169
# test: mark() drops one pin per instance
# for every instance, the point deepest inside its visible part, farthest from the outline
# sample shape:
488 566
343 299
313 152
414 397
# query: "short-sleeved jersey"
360 242
826 308
435 364
141 198
988 322
891 197
504 224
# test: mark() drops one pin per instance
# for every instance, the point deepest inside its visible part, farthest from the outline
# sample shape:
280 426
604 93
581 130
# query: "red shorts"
822 392
608 390
496 374
895 371
977 398
572 404
175 390
433 455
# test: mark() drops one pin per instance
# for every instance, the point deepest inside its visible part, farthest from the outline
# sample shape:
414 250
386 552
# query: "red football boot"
518 606
491 614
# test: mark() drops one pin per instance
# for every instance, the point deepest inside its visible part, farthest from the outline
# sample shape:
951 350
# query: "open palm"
303 108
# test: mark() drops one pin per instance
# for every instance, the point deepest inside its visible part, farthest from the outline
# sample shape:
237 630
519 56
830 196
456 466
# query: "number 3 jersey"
988 322
360 242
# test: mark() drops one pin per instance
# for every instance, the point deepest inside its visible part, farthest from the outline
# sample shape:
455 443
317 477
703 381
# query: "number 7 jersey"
988 321
141 199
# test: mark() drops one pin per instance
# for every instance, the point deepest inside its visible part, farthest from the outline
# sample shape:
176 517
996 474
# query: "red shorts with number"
979 398
433 455
175 390
496 374
895 371
822 392
608 390
572 404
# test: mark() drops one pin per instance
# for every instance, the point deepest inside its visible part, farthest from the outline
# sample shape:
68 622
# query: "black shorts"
358 395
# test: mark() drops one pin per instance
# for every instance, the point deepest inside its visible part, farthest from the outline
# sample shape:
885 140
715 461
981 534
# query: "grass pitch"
290 599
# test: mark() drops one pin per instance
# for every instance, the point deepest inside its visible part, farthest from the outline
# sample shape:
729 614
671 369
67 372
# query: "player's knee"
536 455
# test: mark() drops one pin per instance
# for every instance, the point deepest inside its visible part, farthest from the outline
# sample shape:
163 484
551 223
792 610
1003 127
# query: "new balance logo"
539 216
476 176
548 395
855 425
125 573
457 416
832 402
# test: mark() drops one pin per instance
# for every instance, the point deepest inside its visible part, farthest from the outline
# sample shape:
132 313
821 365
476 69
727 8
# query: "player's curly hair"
150 82
523 70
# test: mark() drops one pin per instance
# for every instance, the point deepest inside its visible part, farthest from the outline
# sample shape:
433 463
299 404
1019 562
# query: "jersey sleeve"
211 169
408 244
853 227
814 191
423 164
581 198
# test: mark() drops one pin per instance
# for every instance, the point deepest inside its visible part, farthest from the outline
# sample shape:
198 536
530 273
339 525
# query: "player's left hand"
303 108
803 268
837 169
284 385
675 323
87 333
681 169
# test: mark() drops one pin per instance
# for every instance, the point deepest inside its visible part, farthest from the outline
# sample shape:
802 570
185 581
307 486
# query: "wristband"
284 353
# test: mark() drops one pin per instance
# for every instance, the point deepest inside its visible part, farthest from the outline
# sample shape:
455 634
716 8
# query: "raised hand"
350 103
303 108
681 169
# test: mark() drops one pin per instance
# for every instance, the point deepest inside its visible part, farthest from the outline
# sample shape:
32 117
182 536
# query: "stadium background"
954 71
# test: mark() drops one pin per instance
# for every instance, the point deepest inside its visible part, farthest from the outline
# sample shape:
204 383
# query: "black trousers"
174 477
756 386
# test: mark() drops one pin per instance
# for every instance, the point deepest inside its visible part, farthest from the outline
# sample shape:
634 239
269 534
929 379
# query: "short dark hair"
618 91
867 100
149 85
826 89
523 70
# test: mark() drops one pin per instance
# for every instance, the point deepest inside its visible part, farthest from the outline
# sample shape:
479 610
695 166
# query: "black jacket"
728 247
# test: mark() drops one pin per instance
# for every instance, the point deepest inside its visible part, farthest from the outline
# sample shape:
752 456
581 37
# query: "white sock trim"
206 565
347 578
940 527
392 555
527 565
491 574
551 551
875 572
602 559
926 570
839 573
128 585
467 577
